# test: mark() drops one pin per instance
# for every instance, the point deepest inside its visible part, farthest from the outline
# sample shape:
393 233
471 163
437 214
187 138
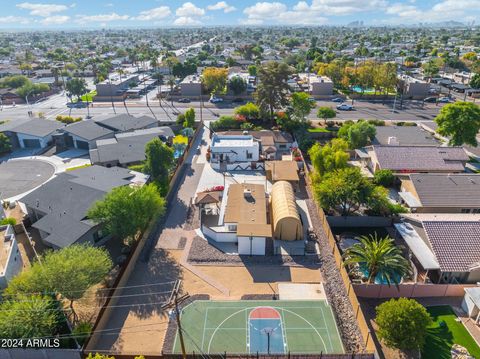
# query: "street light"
28 104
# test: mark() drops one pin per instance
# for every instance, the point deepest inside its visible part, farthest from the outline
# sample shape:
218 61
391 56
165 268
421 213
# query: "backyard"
446 331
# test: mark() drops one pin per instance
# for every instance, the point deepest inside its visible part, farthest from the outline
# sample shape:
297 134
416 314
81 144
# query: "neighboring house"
10 97
413 87
273 144
127 149
471 303
230 152
411 159
10 259
82 135
191 86
441 193
114 89
446 246
283 171
403 136
33 133
125 122
58 208
243 219
315 85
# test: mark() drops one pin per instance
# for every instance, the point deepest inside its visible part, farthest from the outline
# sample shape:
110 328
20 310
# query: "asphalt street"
166 111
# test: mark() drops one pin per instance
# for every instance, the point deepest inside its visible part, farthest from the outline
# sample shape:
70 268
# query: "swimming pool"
380 277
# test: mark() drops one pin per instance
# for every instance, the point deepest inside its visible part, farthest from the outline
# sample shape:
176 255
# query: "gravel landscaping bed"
258 297
335 289
171 332
204 253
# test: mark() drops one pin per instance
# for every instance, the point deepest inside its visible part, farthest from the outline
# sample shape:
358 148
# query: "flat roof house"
191 86
128 148
411 159
31 133
234 152
58 208
243 219
441 193
403 136
446 246
11 262
413 87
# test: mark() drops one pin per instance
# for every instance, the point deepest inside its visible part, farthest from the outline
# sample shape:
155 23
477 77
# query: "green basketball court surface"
264 326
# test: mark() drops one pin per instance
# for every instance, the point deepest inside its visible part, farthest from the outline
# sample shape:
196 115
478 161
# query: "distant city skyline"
88 14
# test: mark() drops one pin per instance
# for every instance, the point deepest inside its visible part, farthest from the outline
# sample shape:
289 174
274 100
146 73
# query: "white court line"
284 334
204 326
247 333
336 328
328 334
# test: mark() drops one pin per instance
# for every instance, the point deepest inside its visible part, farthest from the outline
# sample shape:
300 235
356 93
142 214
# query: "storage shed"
287 224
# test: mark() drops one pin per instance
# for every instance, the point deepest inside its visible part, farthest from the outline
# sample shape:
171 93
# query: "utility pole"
173 302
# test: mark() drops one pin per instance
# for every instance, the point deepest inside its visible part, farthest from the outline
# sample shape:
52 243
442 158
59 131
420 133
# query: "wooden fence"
246 356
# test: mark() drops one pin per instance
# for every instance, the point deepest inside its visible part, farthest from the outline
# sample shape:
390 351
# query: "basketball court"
275 327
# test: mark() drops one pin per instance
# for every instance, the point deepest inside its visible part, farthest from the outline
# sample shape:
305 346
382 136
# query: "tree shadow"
438 342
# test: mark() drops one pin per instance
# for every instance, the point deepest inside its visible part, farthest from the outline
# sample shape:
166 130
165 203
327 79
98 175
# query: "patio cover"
474 294
419 248
410 199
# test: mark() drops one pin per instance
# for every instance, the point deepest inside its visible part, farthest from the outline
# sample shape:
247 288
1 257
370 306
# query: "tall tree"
189 118
475 81
125 211
272 90
381 257
326 112
460 122
215 79
159 159
329 157
69 271
5 144
301 105
77 87
357 134
40 316
237 85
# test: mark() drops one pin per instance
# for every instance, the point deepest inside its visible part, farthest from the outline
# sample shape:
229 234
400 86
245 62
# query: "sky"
55 14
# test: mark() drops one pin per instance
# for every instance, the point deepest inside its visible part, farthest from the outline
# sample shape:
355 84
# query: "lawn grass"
89 96
439 340
78 167
318 129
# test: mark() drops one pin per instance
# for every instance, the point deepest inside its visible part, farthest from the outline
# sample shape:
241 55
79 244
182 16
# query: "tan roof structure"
286 220
255 230
208 197
246 203
282 171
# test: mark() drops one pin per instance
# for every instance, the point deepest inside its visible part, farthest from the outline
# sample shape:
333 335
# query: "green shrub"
67 119
82 331
137 168
226 123
384 178
376 122
403 123
402 323
8 220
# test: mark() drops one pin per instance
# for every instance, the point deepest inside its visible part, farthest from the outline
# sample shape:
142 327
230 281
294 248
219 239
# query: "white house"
234 152
242 219
10 259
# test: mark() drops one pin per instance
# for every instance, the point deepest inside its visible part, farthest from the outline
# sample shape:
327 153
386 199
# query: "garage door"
31 143
82 145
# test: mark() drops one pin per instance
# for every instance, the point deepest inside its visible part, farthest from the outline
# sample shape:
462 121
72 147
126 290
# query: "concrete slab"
301 291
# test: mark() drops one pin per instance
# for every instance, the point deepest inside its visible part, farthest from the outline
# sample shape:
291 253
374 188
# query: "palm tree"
379 256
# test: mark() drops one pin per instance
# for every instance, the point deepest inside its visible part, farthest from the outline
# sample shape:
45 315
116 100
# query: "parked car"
337 99
312 100
444 100
344 107
216 99
237 100
184 100
430 100
79 104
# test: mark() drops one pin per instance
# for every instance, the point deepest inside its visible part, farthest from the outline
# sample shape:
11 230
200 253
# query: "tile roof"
421 158
447 190
456 244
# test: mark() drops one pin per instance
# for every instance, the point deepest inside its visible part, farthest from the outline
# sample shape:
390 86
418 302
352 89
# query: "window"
232 227
98 235
465 210
283 146
249 155
476 210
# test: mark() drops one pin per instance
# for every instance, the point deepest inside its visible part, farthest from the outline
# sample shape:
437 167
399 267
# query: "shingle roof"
88 130
421 158
66 198
125 122
405 135
33 127
128 147
455 244
447 190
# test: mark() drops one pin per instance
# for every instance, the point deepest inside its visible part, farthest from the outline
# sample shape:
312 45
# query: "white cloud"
55 20
276 12
157 13
441 11
13 19
43 10
104 18
189 9
186 21
221 5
